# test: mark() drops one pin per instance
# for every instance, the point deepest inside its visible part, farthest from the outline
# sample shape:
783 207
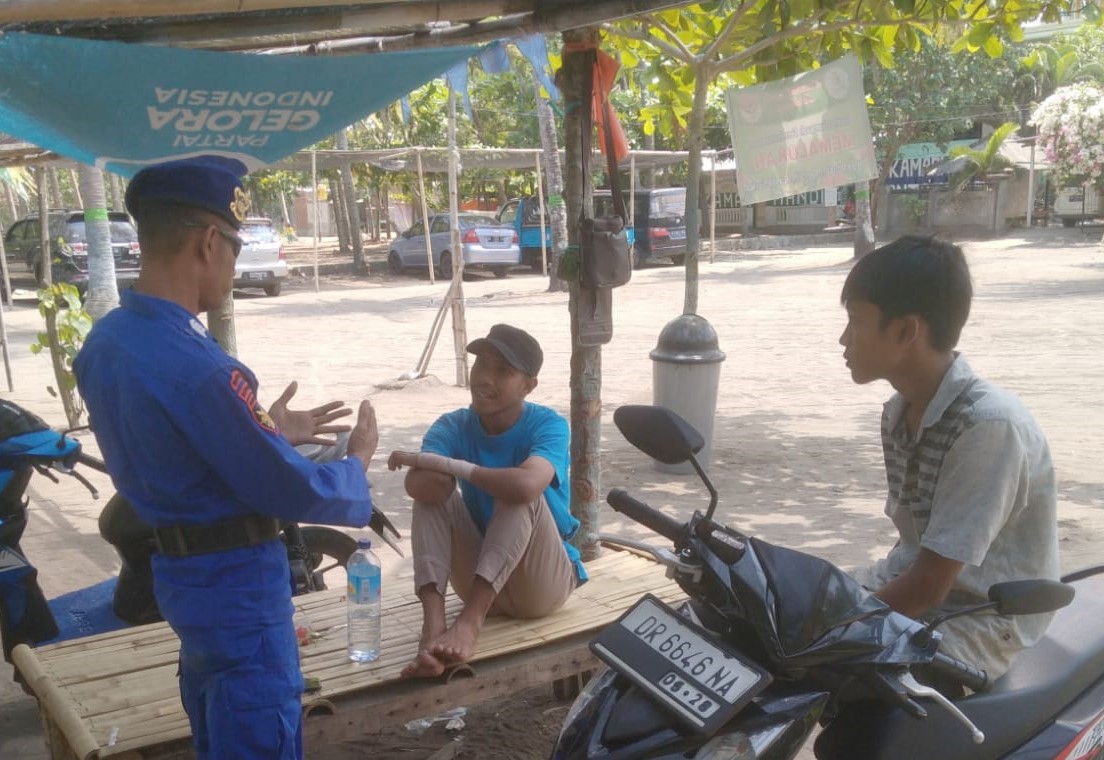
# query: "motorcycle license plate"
696 678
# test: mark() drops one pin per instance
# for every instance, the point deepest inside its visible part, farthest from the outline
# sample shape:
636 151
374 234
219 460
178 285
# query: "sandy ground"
797 458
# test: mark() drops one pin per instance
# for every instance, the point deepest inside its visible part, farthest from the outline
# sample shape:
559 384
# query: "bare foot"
424 665
457 644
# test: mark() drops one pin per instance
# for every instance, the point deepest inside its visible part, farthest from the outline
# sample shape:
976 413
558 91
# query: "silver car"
486 244
261 263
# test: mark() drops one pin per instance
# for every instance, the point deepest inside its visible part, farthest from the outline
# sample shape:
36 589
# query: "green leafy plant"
67 325
915 210
978 163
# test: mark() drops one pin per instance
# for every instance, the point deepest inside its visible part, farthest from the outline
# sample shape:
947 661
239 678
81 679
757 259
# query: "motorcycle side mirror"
1029 597
658 432
1025 597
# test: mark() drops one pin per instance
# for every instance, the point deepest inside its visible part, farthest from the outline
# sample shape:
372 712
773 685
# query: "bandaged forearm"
457 468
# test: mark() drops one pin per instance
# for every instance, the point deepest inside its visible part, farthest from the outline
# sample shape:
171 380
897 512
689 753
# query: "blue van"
659 224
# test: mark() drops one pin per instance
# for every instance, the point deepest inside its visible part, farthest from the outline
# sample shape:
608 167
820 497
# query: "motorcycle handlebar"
640 512
90 461
960 672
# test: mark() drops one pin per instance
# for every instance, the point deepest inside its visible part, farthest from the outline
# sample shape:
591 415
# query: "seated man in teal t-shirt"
502 538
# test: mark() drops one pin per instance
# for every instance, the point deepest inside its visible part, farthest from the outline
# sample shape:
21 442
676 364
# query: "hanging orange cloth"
605 72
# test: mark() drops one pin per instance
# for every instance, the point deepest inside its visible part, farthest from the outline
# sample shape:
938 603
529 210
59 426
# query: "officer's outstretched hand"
310 426
365 436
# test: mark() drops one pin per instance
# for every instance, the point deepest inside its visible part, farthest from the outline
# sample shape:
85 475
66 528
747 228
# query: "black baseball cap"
212 183
520 349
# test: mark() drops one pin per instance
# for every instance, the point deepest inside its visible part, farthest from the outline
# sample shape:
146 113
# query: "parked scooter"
29 445
772 641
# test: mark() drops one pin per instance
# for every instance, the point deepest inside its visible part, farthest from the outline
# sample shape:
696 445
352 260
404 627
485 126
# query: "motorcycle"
772 642
28 445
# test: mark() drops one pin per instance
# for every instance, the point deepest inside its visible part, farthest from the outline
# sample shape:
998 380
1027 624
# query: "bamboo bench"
116 694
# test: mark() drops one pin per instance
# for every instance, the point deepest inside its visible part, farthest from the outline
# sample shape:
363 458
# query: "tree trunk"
586 361
103 292
75 182
385 209
56 201
341 216
10 193
119 188
351 212
220 323
864 225
288 221
553 181
696 139
70 402
647 175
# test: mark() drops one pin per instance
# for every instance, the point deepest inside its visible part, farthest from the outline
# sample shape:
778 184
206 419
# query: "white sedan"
486 244
262 262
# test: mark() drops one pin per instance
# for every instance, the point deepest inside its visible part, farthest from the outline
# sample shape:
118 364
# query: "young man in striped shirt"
971 487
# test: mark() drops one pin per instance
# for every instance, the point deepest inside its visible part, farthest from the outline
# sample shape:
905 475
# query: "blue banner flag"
122 106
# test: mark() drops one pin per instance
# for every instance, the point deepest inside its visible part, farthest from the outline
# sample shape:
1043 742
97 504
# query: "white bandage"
457 468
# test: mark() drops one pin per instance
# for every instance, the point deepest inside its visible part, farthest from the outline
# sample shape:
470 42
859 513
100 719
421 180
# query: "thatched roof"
312 26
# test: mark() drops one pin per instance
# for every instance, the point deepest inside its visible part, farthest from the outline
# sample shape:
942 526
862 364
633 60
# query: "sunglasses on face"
233 237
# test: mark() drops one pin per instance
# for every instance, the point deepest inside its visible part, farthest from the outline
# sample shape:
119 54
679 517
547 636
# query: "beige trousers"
522 555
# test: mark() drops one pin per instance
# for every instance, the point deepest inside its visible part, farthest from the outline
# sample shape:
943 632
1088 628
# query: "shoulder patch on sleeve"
241 388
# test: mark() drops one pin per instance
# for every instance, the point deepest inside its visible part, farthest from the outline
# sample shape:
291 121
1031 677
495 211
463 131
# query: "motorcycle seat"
1043 680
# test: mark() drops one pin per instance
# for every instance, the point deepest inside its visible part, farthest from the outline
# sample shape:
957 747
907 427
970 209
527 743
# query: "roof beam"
329 26
29 11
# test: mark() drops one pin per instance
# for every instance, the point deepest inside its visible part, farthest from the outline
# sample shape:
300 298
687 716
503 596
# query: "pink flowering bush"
1071 133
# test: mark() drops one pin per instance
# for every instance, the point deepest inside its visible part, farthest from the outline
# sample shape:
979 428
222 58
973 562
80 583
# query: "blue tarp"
121 106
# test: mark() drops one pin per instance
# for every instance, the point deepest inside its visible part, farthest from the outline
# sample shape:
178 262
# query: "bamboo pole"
459 325
317 218
425 220
540 210
713 209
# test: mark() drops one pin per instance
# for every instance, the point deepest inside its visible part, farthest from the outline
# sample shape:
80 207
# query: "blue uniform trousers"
241 688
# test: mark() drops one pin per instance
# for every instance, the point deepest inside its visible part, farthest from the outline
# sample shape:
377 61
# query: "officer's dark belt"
233 533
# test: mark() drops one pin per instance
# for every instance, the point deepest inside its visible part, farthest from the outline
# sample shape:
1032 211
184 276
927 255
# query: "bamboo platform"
116 694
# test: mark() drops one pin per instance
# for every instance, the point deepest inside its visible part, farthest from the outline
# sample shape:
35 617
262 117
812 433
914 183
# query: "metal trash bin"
686 372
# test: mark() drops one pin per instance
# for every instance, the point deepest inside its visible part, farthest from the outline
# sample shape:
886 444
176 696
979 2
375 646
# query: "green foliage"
62 302
988 159
744 42
933 93
915 210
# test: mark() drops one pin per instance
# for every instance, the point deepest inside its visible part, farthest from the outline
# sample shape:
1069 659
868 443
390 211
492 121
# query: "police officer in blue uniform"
188 443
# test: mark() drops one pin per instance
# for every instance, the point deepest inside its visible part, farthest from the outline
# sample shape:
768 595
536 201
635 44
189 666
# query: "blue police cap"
212 183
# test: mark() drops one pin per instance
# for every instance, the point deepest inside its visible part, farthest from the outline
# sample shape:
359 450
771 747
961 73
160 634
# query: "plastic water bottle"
363 595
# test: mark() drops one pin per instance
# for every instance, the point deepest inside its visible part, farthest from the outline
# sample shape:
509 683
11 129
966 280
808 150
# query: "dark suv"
69 247
659 221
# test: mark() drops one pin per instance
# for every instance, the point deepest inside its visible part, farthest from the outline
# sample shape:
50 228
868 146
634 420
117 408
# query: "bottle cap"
364 543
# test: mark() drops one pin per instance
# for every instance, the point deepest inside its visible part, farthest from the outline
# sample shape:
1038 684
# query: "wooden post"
713 209
425 220
459 326
540 209
586 361
314 201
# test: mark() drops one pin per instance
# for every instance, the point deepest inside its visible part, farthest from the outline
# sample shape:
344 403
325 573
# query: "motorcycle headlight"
740 746
596 683
733 746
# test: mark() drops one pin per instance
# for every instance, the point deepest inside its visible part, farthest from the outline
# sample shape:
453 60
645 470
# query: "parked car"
486 242
262 262
659 222
69 247
1078 203
523 214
